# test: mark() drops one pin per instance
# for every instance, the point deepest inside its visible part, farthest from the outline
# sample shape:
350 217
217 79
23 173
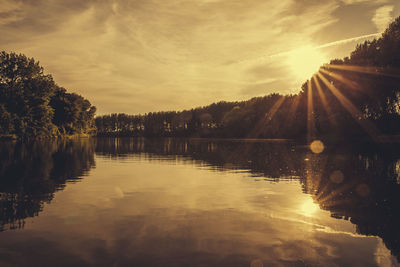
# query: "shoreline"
13 137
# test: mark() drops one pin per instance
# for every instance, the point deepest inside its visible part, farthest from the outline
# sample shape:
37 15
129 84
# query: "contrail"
344 41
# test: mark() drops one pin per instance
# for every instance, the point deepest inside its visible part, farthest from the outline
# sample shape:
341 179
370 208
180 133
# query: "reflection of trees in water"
360 186
30 174
272 159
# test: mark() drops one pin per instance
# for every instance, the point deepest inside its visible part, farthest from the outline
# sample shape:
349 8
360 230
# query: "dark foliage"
246 119
354 98
32 105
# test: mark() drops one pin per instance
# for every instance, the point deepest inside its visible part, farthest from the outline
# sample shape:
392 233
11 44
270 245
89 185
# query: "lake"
194 202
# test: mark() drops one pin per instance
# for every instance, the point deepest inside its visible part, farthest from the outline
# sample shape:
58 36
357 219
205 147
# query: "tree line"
33 105
355 97
222 119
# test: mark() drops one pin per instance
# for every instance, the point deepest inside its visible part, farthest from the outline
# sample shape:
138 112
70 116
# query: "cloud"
153 51
383 17
260 88
9 12
9 6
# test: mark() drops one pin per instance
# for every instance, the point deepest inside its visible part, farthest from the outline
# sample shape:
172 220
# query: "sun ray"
267 118
258 128
341 79
322 192
313 179
324 101
337 202
357 115
275 108
389 72
310 114
293 109
326 193
335 192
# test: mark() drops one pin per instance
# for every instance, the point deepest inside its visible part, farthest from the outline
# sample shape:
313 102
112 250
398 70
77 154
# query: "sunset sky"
137 56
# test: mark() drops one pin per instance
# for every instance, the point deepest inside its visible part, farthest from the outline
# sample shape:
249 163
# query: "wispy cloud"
383 16
154 51
336 43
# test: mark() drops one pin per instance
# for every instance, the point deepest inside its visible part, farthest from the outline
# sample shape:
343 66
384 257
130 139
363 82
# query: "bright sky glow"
138 56
305 61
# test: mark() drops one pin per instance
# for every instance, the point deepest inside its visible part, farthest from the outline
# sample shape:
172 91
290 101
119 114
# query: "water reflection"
30 174
231 216
360 185
270 159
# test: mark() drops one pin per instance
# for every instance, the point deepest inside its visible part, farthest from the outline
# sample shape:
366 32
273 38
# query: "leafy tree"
32 105
25 93
357 97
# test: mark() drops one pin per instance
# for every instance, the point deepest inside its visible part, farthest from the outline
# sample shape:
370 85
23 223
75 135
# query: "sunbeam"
389 72
357 115
334 193
324 100
310 114
314 176
340 78
293 110
266 119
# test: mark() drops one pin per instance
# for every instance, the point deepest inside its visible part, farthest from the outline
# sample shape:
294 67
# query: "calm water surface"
171 202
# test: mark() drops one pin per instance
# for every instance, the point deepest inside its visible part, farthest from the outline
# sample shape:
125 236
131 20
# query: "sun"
305 61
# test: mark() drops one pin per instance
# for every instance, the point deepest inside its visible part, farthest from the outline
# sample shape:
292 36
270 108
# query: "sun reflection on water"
308 207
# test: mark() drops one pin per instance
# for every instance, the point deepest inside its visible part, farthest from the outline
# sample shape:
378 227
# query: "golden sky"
137 56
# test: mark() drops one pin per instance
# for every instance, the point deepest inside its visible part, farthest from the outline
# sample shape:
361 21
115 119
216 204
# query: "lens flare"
337 177
317 147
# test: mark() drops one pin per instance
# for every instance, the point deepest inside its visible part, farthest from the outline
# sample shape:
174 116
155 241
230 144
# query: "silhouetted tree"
355 98
32 105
